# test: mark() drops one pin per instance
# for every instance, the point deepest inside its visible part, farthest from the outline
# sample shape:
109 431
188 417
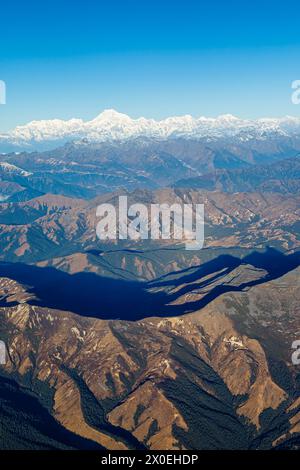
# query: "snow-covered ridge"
111 125
8 168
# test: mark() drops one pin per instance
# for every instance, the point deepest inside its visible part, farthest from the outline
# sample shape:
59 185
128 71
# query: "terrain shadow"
89 294
274 262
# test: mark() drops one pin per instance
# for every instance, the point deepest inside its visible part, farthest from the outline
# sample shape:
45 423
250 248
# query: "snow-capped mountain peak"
111 115
112 125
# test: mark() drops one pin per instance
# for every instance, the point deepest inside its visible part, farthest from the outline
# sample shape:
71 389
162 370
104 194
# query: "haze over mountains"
114 152
282 176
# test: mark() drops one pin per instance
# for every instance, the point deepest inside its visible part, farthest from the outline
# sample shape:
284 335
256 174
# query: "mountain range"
282 176
85 170
111 125
143 344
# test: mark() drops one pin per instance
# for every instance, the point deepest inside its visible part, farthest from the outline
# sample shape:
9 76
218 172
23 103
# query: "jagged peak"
111 114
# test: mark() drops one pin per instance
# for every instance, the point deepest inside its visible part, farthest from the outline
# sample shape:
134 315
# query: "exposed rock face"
166 383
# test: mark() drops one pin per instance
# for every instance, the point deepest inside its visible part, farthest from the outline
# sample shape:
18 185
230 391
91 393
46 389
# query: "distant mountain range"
282 177
111 125
86 170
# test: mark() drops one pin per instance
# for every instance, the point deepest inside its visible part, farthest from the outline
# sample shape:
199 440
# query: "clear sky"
153 58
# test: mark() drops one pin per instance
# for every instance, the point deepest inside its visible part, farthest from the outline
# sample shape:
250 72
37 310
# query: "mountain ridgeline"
86 170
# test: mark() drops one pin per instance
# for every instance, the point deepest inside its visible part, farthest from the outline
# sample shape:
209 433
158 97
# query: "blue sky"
153 58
